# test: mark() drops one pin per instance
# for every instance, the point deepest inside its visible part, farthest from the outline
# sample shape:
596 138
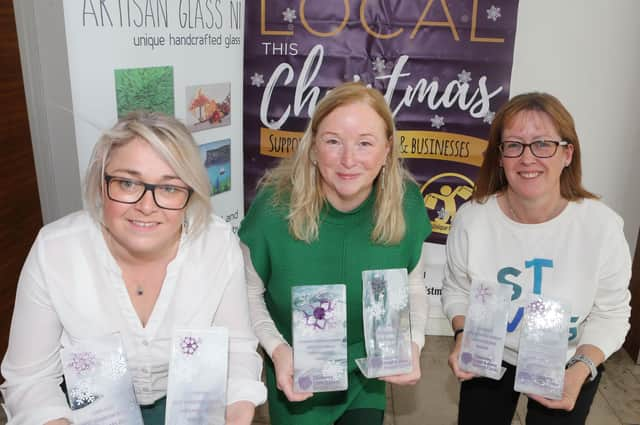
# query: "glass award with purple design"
386 321
485 329
196 391
99 383
542 353
319 322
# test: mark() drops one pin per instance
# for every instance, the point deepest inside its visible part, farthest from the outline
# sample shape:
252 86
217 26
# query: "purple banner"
443 66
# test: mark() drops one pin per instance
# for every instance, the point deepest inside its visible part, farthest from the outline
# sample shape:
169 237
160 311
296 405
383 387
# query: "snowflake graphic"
189 345
482 292
443 214
81 396
464 76
332 370
379 65
257 80
493 13
489 116
83 362
289 15
437 121
376 310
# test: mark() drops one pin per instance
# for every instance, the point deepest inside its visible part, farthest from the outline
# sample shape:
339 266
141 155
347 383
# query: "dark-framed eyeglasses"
128 191
539 148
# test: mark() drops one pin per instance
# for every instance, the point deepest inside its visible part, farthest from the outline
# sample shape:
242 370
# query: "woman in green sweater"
342 204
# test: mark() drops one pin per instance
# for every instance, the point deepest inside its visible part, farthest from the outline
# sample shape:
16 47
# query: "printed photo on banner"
145 88
216 157
208 106
443 67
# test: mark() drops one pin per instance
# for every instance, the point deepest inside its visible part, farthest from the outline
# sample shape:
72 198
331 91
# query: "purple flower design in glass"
189 345
318 312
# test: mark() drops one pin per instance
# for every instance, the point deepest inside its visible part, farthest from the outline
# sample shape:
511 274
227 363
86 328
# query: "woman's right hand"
453 361
60 421
282 358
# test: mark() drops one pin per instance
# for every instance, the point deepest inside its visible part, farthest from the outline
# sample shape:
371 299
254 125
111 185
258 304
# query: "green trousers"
153 414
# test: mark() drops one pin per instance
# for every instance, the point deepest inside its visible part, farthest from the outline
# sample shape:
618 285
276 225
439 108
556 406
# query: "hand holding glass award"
196 391
386 320
485 329
319 322
99 384
543 348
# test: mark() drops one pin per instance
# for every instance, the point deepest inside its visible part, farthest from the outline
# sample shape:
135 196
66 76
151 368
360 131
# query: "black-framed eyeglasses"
539 148
128 191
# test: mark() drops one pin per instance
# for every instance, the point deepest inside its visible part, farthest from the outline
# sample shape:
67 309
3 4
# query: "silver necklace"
139 290
513 213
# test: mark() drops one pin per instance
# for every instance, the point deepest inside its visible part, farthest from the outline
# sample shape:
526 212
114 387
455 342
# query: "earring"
382 177
185 224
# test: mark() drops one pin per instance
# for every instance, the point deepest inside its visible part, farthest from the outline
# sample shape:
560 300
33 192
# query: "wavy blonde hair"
173 141
296 180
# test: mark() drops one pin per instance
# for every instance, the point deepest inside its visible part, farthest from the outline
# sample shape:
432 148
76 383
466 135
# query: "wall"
587 54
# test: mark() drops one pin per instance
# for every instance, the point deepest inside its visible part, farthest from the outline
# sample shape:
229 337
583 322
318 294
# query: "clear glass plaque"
196 391
99 384
485 329
319 338
543 348
386 320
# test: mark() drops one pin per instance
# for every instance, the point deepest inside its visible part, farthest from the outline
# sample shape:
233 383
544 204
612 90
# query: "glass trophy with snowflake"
485 329
543 348
386 320
99 383
196 391
319 322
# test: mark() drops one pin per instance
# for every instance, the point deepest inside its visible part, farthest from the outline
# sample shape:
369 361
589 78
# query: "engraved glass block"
319 324
386 320
485 329
543 348
99 384
196 391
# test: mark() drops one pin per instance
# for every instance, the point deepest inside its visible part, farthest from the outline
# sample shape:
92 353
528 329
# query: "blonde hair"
296 180
491 178
169 138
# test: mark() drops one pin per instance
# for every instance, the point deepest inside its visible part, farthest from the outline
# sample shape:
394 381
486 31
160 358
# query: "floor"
433 400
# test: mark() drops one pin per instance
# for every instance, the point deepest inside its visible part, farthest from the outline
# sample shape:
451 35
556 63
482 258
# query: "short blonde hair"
173 142
297 181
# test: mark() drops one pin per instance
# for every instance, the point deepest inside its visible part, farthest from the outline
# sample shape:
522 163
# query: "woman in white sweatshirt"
531 225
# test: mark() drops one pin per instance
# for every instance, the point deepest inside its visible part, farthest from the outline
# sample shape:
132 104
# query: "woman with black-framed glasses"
145 257
533 227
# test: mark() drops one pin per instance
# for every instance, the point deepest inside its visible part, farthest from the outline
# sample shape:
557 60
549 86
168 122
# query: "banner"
183 58
444 67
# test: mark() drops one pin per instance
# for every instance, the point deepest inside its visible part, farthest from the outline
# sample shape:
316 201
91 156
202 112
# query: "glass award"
485 329
319 322
543 348
386 320
99 384
196 390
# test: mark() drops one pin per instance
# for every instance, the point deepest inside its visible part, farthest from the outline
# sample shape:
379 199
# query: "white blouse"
71 288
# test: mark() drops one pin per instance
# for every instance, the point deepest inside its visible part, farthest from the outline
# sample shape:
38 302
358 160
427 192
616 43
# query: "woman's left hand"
410 378
240 413
574 377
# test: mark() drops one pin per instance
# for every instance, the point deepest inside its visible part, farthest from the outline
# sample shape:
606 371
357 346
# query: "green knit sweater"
342 251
